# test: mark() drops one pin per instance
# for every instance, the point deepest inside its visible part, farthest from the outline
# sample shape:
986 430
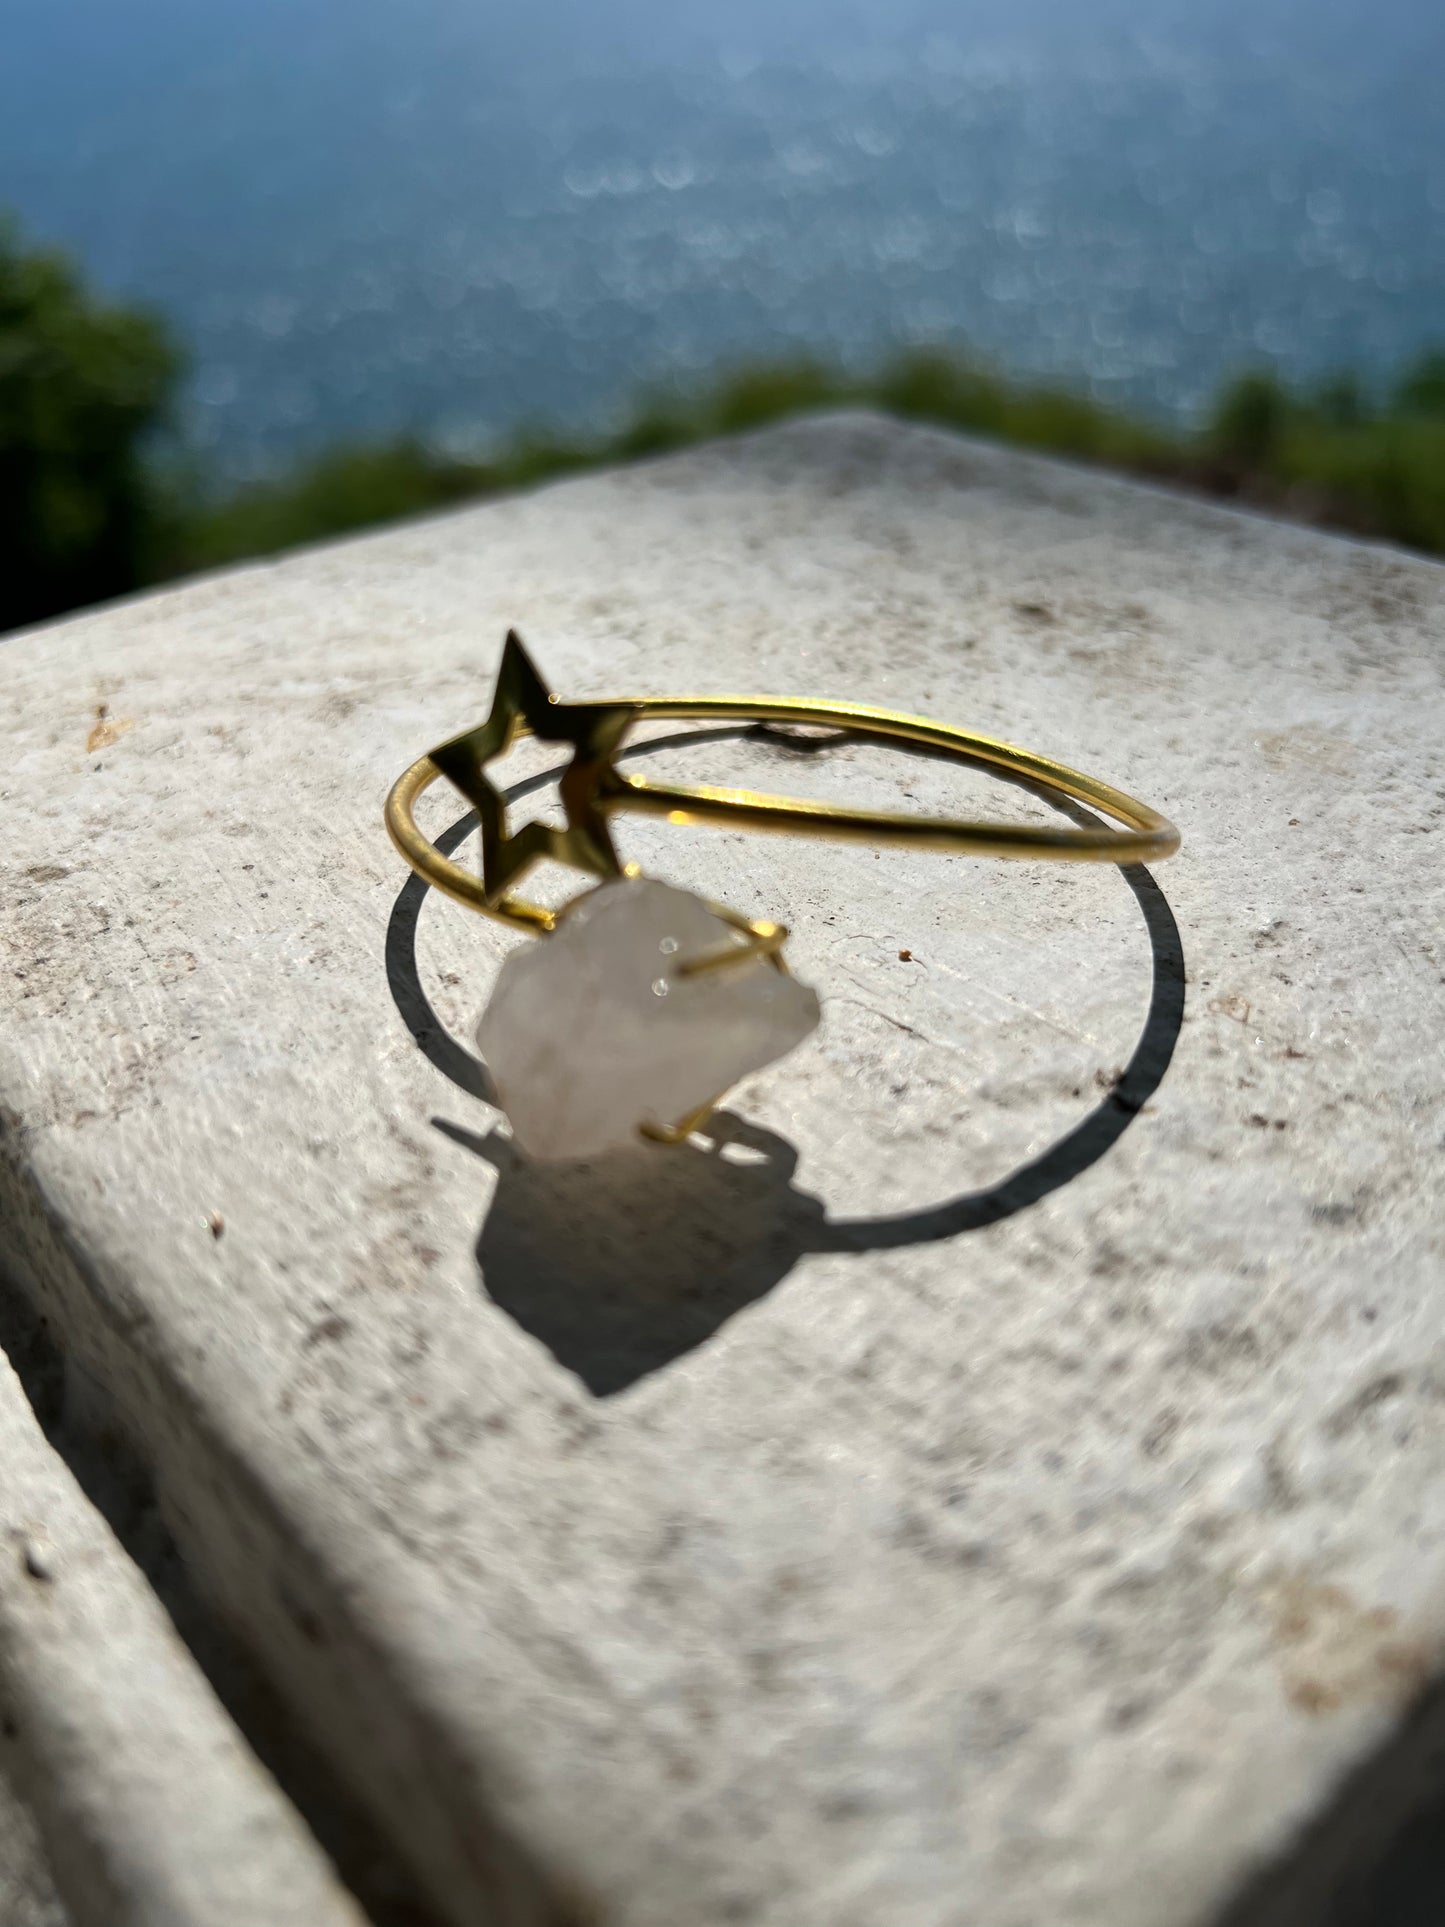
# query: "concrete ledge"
154 1813
27 1891
990 1486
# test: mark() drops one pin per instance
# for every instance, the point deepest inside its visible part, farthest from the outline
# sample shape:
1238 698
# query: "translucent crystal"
596 1030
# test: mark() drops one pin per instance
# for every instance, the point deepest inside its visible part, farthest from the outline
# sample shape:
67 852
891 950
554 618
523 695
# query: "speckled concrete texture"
1003 1482
151 1806
27 1891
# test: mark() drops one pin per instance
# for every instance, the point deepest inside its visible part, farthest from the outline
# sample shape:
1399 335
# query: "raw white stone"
597 1030
851 1528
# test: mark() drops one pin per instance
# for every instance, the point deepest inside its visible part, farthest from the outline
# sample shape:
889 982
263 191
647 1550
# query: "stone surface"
980 1488
154 1812
598 1031
27 1891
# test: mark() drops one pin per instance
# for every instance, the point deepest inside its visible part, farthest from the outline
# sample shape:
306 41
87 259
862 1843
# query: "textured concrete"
27 1891
988 1492
154 1812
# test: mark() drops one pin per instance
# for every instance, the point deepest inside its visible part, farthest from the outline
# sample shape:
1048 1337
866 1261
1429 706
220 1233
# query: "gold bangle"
593 789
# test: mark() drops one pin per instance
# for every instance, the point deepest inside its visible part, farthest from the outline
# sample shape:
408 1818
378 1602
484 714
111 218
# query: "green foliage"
752 397
1325 455
931 386
1422 392
82 384
1332 457
353 488
83 515
1386 477
1249 420
342 490
1341 400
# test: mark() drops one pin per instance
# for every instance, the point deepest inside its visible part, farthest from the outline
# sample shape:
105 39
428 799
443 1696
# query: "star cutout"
522 704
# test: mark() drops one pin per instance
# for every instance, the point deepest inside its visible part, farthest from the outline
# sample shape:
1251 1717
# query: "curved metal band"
1147 838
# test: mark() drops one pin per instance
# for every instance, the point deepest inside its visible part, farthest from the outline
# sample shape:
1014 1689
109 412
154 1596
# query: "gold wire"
680 1132
1148 838
761 940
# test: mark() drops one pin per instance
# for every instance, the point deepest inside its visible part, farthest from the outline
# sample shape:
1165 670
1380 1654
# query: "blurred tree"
1340 400
1249 419
751 396
1422 392
329 495
82 383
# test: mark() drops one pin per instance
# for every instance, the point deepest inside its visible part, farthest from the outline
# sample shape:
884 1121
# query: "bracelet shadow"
624 1264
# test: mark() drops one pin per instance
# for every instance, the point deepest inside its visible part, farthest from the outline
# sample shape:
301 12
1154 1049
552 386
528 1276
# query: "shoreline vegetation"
89 510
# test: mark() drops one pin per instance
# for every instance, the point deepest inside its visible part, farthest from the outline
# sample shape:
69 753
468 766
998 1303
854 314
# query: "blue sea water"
446 216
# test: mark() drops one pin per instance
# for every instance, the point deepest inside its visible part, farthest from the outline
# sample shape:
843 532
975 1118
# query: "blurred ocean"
449 216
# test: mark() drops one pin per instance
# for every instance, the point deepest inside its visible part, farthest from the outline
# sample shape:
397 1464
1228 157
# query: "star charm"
522 704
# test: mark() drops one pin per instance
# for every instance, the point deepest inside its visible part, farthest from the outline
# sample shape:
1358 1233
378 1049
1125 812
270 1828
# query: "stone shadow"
623 1264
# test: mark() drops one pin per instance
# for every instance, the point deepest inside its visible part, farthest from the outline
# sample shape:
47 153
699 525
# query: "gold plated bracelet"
707 971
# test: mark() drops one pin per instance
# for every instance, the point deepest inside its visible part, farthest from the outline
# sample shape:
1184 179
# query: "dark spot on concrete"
1158 1438
1387 1386
326 1331
1336 1650
309 1625
838 1807
1128 1712
1339 1213
1312 1695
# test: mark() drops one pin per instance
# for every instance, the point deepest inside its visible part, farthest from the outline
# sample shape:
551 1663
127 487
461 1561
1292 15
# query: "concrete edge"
283 1605
1162 489
149 1803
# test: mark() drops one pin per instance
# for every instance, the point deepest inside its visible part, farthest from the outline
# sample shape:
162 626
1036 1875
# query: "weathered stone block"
154 1811
1006 1482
